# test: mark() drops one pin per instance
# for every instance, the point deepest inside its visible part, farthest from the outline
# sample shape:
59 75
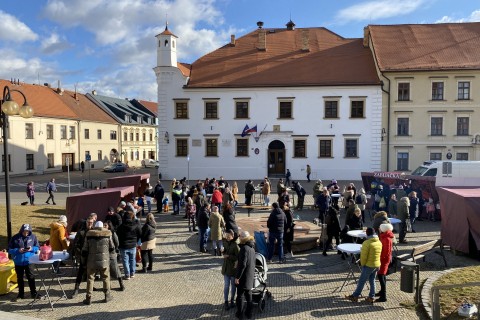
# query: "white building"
314 97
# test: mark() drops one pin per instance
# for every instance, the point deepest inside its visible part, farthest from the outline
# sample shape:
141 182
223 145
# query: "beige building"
431 81
65 127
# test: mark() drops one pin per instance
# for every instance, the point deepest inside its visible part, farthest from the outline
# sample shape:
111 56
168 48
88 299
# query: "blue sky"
109 45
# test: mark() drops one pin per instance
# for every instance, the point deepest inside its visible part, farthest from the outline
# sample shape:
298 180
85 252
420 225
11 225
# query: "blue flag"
245 131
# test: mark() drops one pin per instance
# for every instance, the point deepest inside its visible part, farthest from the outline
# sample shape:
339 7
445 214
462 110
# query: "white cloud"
474 17
27 70
54 44
12 29
378 9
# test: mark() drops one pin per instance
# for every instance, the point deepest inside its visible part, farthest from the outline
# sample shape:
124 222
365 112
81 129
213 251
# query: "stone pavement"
186 284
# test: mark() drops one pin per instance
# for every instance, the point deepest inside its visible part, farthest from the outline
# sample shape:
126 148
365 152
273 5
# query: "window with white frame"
211 145
242 147
241 109
351 148
99 134
463 126
325 148
357 109
113 134
72 132
331 109
464 90
87 134
63 132
462 156
30 163
436 126
435 156
211 109
285 110
28 130
49 131
50 160
403 126
181 109
437 90
404 91
182 147
299 148
402 161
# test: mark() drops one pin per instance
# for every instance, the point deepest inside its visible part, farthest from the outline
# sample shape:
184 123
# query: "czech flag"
248 130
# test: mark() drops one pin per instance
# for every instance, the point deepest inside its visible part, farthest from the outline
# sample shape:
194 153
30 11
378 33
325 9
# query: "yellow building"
431 77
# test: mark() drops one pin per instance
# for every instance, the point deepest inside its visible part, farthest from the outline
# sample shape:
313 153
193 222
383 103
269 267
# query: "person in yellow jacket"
370 262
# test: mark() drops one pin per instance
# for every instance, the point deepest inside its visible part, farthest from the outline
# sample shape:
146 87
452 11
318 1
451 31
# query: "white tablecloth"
57 256
394 220
350 247
357 234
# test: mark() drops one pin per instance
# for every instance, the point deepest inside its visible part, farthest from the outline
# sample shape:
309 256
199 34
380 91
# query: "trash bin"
407 276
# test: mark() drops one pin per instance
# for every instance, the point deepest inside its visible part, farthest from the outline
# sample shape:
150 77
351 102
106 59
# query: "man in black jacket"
158 194
276 227
245 277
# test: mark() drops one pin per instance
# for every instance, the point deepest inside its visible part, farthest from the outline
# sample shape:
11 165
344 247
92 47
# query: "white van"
451 173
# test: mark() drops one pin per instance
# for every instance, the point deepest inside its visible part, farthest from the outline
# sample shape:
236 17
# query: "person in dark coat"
333 228
202 224
114 217
129 232
176 198
229 217
158 194
96 256
323 202
289 228
229 270
21 247
78 243
300 194
276 227
249 190
354 222
245 276
114 268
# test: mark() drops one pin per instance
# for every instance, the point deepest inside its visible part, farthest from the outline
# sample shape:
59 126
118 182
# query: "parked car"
116 167
150 163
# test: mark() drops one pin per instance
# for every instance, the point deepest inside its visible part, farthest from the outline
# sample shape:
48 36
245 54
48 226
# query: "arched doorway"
276 159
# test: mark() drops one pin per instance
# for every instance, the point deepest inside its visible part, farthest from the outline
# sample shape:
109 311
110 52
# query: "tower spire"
166 22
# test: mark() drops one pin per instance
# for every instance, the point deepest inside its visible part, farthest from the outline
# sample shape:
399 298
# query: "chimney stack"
59 89
262 40
366 35
232 40
260 24
305 40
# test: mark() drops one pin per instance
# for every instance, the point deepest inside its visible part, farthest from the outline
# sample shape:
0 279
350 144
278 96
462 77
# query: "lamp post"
8 107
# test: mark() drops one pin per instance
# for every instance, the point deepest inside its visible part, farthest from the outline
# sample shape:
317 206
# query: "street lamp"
8 107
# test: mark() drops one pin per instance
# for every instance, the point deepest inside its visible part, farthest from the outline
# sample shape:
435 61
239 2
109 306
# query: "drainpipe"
388 119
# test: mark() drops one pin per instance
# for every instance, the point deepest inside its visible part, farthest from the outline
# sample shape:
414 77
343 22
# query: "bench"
420 251
251 208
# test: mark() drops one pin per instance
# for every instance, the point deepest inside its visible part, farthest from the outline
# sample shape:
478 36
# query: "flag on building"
248 130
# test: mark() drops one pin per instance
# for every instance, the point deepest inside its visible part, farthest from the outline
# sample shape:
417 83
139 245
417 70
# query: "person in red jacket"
386 238
217 198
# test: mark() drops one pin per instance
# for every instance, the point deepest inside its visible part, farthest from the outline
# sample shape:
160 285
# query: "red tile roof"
44 101
448 46
152 106
85 109
331 60
184 68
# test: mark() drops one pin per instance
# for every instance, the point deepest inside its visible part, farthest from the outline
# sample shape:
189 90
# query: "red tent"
79 206
460 218
138 181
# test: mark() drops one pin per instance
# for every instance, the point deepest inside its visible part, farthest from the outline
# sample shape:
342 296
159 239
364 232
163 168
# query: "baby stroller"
260 291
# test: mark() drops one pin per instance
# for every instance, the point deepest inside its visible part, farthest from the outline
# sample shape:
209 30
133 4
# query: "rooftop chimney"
59 89
305 40
262 40
260 24
366 34
290 25
232 40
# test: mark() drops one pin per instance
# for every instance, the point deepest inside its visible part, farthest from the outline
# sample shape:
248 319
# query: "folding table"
352 249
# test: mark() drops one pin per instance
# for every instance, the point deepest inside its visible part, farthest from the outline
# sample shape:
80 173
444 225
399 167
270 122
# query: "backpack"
358 199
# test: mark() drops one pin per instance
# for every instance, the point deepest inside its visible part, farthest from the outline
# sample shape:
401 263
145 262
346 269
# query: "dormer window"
128 118
139 118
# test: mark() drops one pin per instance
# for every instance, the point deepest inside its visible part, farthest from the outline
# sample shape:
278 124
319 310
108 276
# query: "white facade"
307 123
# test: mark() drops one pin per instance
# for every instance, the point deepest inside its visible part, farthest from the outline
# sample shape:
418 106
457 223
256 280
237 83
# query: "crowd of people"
99 247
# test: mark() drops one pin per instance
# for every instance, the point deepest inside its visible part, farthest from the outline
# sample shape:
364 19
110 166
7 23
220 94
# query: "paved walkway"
186 284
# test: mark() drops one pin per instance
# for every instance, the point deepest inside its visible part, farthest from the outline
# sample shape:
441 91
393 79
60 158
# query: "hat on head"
123 204
99 224
62 219
384 227
334 181
27 227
